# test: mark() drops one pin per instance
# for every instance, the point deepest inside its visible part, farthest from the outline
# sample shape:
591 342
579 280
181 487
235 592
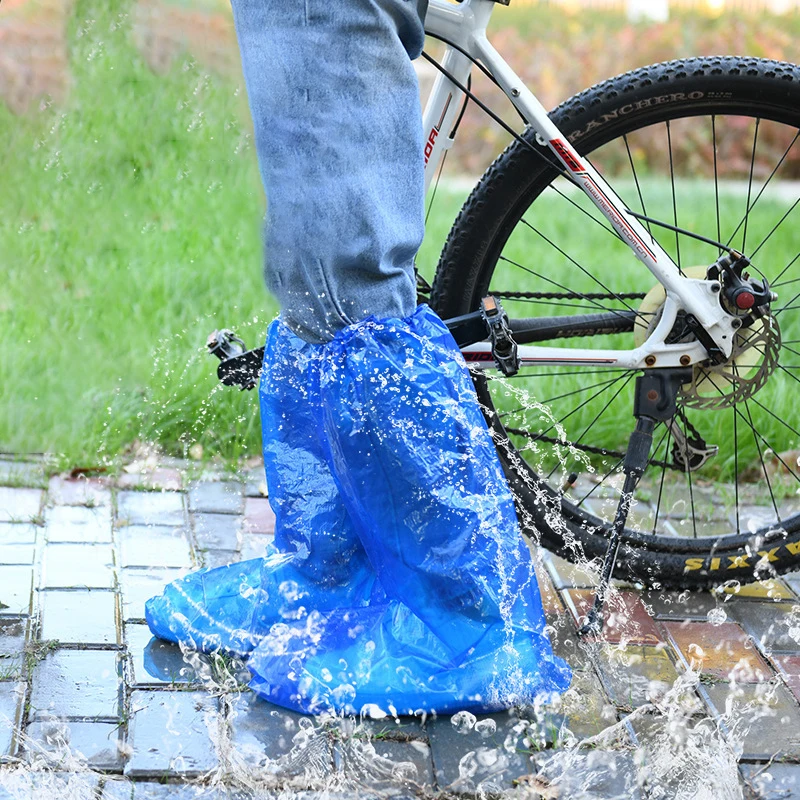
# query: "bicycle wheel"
707 144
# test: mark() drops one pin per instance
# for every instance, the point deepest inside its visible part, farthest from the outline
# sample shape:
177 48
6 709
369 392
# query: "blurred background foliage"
130 202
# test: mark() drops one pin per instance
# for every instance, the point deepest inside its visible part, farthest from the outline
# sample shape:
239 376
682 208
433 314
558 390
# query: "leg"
338 129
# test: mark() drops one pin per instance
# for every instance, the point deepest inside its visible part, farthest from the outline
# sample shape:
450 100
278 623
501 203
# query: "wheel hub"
753 359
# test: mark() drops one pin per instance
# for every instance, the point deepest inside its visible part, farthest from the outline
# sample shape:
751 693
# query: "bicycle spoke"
560 286
716 173
636 181
605 477
547 401
586 212
674 199
661 483
761 459
783 271
573 261
600 413
606 388
750 208
736 468
750 185
778 224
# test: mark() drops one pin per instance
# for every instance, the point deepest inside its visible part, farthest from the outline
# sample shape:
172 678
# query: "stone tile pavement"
81 716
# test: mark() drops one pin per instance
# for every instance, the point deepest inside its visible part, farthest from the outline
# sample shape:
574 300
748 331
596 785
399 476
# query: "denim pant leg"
338 130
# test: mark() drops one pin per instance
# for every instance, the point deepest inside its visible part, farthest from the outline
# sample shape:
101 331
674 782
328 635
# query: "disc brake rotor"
753 359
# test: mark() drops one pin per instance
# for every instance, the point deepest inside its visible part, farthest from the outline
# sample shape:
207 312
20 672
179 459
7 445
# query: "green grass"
130 228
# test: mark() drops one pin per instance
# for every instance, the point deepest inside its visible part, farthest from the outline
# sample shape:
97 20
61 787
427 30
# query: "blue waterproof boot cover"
398 577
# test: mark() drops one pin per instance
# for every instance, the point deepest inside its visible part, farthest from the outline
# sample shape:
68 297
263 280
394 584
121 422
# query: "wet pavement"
81 715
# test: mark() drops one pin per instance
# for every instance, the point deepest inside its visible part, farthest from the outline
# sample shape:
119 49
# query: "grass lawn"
130 228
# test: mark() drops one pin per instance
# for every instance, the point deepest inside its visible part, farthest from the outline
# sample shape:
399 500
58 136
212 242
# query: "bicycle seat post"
655 401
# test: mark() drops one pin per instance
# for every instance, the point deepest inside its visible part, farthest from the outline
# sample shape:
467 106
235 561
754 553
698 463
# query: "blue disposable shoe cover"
398 578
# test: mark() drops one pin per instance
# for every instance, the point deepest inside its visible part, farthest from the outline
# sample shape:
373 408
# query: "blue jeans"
338 130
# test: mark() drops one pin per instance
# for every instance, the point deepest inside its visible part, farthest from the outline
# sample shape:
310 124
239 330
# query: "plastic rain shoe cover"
462 626
315 548
399 579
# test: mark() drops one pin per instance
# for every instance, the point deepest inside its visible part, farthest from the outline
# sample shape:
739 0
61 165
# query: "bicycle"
707 364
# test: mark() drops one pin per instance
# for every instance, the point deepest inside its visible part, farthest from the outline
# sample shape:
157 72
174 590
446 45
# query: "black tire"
731 101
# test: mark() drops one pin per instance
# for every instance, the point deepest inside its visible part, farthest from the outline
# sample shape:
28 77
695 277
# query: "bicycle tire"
613 111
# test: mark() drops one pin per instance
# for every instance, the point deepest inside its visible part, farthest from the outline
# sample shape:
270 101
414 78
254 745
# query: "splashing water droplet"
717 616
486 728
463 721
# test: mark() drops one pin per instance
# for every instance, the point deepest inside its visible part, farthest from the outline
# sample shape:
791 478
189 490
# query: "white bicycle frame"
464 24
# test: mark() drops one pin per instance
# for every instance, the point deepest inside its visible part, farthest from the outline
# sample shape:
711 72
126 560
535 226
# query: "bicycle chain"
568 296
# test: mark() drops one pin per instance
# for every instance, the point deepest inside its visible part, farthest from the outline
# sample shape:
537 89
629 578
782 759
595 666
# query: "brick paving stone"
764 719
16 590
386 764
491 752
151 790
20 505
78 524
19 473
721 651
165 659
776 782
399 729
631 674
12 696
775 626
13 638
80 617
686 605
96 743
157 546
258 515
138 585
586 706
771 589
16 533
264 734
220 558
789 669
151 508
82 684
217 531
254 545
551 601
23 554
170 733
52 785
566 575
626 618
792 580
13 635
160 479
78 492
640 517
564 639
221 497
68 566
256 484
596 774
